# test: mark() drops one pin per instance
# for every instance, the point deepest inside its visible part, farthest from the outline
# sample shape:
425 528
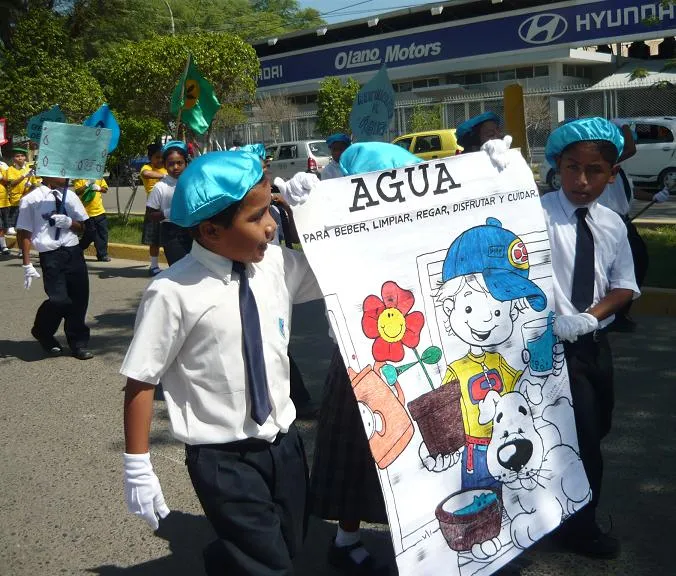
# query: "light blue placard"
34 128
373 109
72 151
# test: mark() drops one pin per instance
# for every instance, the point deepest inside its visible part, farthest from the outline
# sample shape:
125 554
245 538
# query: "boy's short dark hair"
153 149
606 149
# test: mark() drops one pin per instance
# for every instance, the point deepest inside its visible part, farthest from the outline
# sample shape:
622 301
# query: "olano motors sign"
570 25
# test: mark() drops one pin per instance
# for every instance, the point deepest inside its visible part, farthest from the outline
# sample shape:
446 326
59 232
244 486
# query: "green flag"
194 100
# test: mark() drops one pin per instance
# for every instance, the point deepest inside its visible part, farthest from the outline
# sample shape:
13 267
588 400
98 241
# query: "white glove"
498 151
142 490
62 221
441 462
167 213
296 190
570 327
661 196
29 272
96 187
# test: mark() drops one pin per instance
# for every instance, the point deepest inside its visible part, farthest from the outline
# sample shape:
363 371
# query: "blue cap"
211 183
582 130
374 156
464 129
174 144
257 149
500 256
338 137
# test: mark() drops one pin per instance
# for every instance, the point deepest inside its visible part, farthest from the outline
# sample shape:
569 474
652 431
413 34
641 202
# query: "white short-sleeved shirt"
615 196
35 209
188 333
332 170
613 263
161 195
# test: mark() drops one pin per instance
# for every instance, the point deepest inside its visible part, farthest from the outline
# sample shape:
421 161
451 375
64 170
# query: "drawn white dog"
524 459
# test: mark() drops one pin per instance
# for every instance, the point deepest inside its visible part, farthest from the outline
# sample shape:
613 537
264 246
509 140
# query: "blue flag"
104 118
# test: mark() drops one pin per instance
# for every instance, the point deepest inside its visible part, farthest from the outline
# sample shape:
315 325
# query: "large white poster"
437 282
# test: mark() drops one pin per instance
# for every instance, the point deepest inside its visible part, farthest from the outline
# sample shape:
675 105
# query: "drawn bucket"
470 517
389 427
439 418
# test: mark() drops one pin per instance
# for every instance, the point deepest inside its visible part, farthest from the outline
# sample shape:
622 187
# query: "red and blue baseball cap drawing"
501 257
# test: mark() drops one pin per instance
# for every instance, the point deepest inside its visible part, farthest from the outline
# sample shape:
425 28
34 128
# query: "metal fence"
543 110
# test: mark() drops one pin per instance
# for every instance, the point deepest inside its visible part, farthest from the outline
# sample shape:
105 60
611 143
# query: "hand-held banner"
72 151
438 285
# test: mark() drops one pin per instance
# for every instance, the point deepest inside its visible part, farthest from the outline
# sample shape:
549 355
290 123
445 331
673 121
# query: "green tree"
138 78
44 67
334 104
426 118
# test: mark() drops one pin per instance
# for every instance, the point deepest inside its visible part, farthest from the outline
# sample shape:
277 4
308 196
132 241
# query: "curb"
655 302
116 251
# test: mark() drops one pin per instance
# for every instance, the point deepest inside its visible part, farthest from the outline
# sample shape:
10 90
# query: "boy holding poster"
219 320
593 277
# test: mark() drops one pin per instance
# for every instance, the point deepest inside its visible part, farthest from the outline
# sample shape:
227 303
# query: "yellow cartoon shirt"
95 206
148 183
478 375
4 196
23 187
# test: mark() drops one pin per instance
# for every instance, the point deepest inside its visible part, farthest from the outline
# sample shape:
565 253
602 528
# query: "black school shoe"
81 354
50 345
339 557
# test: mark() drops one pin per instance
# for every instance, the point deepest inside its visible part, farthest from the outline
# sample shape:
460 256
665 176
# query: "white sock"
153 262
344 538
3 242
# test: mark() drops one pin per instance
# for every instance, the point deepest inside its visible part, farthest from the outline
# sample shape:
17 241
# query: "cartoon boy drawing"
485 286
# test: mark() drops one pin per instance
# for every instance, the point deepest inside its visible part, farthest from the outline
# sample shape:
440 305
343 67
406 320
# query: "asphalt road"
61 495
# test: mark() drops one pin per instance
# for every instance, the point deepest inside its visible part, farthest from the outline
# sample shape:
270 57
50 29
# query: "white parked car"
288 158
654 163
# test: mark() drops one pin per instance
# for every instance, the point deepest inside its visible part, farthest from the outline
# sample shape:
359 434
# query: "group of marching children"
219 319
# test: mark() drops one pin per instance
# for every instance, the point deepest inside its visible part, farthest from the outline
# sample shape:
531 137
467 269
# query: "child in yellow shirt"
151 174
19 180
96 228
4 209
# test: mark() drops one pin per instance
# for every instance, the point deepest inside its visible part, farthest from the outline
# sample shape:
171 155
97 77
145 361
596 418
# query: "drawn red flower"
388 321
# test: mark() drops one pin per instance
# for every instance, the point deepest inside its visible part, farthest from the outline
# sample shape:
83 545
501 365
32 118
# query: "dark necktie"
583 272
253 348
59 206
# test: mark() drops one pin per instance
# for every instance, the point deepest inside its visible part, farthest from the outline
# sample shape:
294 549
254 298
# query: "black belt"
592 338
247 445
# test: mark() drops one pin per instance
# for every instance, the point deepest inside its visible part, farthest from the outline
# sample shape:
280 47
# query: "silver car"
288 158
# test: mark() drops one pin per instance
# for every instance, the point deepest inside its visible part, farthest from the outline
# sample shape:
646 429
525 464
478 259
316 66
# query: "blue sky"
337 11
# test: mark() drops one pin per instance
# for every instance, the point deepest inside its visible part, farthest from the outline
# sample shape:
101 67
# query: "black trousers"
590 370
96 230
298 392
254 493
64 275
639 252
175 240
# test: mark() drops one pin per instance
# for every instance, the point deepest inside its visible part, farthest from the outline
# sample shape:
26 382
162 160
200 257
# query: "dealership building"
573 58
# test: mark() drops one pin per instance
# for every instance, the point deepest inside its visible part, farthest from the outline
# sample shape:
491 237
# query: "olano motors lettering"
393 53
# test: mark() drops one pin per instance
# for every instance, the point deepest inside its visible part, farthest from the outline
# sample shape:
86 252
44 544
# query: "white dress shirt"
38 206
613 263
331 170
161 195
188 333
615 196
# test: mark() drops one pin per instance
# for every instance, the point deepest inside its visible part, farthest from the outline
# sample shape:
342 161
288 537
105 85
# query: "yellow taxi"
431 144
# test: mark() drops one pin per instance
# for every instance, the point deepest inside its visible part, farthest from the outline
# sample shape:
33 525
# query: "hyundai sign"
563 24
